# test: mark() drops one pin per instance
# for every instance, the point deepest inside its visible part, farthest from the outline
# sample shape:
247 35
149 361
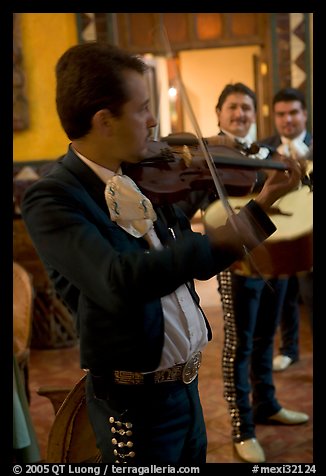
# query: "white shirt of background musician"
295 148
246 142
185 330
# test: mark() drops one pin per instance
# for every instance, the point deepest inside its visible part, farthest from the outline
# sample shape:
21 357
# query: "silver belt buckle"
190 370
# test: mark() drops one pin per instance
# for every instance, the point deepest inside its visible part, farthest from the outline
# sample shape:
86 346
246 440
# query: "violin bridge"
186 155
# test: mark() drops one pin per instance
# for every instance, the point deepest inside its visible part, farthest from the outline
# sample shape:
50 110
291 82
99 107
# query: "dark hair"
89 78
290 94
235 88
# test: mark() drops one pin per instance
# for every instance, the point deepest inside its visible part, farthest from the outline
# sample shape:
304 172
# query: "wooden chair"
71 438
22 320
53 325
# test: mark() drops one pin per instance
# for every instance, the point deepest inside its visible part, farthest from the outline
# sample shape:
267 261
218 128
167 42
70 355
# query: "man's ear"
102 121
218 113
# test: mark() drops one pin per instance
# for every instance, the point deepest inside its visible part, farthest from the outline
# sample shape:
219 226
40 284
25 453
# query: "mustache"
239 121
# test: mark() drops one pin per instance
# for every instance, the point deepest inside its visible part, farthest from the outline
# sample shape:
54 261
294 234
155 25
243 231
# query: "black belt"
186 372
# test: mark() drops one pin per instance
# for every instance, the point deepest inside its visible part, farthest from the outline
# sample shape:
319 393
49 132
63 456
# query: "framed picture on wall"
20 102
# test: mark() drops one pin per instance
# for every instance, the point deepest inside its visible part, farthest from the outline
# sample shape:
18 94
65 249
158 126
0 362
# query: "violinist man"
251 308
125 269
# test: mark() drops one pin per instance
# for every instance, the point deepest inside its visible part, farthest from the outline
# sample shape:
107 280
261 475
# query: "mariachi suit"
251 314
251 307
112 283
301 285
273 142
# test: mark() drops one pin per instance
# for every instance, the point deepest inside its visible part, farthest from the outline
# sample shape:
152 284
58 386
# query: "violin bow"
202 143
157 127
231 214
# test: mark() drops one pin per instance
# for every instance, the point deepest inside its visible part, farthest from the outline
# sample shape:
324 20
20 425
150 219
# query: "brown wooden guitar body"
290 249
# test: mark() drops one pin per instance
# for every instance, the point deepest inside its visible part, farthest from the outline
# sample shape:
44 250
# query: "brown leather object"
71 438
55 394
25 254
22 319
22 307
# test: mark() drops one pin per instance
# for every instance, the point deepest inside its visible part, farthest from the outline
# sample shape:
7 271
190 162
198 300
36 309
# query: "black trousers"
151 423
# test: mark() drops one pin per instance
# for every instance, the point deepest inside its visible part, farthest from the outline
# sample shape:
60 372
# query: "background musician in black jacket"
292 140
125 268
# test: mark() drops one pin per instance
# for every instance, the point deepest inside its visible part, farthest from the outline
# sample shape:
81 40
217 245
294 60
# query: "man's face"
237 114
290 118
131 129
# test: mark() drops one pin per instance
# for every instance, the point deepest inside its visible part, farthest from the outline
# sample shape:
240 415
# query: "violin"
169 174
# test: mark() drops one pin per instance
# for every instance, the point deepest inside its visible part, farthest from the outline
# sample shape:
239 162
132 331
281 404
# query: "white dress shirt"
295 148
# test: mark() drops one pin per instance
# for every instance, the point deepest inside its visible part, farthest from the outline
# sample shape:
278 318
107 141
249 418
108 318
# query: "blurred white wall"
206 72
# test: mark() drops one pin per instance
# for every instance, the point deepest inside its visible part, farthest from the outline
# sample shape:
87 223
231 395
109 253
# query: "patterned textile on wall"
298 50
96 27
291 50
88 27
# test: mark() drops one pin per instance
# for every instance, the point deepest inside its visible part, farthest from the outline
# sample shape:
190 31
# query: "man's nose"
288 118
151 122
239 112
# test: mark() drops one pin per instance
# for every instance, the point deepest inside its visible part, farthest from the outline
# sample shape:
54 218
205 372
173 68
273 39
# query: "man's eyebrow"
291 111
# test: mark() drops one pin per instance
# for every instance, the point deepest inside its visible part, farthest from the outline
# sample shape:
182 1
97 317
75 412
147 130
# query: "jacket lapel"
308 139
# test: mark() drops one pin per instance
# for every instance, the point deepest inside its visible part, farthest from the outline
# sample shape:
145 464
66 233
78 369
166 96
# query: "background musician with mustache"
251 308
